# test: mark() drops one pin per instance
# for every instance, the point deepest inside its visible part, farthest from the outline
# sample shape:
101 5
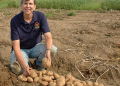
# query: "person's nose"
28 5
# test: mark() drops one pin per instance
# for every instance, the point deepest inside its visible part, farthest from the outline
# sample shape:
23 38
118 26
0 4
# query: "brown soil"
90 37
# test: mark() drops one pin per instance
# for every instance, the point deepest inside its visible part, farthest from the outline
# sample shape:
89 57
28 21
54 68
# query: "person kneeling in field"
27 28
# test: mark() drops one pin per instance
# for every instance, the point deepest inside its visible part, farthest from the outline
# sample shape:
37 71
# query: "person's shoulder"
39 13
16 17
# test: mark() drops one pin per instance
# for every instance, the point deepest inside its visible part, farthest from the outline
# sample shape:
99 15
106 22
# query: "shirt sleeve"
44 25
14 31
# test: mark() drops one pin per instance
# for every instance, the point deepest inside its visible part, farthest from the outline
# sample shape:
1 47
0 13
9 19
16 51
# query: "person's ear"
34 7
21 5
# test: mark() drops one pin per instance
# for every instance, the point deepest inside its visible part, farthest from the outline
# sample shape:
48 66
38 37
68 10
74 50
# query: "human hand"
48 56
26 71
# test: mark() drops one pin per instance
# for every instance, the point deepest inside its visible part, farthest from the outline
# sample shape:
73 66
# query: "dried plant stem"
115 68
70 49
90 77
112 73
79 70
102 74
96 63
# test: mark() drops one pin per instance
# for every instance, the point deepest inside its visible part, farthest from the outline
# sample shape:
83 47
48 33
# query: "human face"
28 7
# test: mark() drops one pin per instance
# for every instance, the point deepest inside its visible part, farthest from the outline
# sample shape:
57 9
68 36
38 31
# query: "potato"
33 74
52 84
69 84
95 84
49 73
46 78
52 77
40 81
37 72
60 85
84 83
67 77
29 79
54 81
77 83
71 79
51 81
45 62
45 75
43 72
89 83
55 75
40 78
40 74
60 81
36 79
100 84
22 78
44 83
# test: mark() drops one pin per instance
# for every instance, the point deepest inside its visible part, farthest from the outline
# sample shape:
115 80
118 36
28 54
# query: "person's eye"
31 3
25 3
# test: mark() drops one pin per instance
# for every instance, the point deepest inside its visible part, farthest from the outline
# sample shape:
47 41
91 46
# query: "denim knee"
13 57
53 51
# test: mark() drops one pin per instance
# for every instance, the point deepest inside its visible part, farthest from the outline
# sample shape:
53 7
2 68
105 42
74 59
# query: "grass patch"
50 13
1 10
91 6
71 13
8 13
13 4
3 4
79 4
68 4
64 4
111 4
9 3
58 14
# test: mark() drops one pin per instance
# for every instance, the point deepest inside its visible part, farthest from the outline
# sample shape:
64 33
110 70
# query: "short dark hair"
28 0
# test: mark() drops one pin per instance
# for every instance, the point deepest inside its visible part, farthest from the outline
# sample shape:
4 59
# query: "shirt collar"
34 17
21 19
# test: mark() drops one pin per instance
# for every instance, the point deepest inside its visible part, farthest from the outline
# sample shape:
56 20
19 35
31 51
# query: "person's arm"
48 44
19 57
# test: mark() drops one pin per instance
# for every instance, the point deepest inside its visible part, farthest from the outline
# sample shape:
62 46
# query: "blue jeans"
37 52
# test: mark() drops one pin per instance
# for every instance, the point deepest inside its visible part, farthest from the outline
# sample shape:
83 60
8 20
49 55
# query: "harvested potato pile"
49 78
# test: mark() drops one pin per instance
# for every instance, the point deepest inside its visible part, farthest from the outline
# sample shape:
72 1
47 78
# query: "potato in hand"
46 63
